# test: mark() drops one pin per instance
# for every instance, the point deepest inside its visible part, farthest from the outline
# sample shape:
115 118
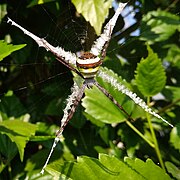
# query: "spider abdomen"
88 64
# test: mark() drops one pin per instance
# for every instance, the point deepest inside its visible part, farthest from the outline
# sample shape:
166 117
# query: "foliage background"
33 89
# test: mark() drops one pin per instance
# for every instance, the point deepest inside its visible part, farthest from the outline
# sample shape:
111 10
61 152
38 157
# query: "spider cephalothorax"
88 64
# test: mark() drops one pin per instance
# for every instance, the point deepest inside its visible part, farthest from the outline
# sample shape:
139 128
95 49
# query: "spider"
87 67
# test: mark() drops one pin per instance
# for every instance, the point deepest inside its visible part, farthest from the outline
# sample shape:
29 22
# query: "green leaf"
93 11
150 75
100 107
3 10
11 106
159 26
171 168
147 169
174 94
173 55
7 49
175 137
19 132
8 150
53 107
106 167
93 120
122 99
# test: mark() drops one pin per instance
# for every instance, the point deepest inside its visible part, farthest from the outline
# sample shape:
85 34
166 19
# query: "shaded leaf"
7 49
175 137
159 26
3 10
11 106
171 168
173 55
175 93
53 107
8 150
150 75
93 11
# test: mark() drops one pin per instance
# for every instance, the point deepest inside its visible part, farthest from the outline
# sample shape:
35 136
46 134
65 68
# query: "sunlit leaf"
100 107
93 11
19 132
150 74
147 169
7 49
122 99
106 167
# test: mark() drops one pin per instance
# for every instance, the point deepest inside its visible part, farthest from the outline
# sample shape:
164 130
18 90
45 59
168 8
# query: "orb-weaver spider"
87 67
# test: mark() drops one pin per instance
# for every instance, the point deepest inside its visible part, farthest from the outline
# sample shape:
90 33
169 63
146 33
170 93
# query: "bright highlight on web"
87 66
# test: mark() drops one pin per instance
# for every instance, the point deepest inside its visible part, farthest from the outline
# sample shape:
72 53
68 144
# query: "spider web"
49 81
42 84
42 74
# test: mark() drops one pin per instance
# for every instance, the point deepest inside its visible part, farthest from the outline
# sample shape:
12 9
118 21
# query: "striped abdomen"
88 64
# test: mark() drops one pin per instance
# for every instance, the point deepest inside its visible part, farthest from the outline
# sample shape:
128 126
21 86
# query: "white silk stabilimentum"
106 35
68 56
133 96
70 100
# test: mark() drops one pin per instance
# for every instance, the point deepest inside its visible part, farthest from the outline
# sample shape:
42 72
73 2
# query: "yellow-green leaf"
150 74
19 132
7 49
106 167
93 11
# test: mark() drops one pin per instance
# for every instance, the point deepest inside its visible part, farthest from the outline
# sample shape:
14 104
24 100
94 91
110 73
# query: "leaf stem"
156 146
169 106
140 134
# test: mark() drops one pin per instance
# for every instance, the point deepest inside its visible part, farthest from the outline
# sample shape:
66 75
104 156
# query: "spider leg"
61 60
72 103
105 92
121 88
101 44
104 49
65 57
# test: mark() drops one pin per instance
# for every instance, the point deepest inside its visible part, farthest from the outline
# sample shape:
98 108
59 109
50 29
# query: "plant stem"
140 134
154 138
169 106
